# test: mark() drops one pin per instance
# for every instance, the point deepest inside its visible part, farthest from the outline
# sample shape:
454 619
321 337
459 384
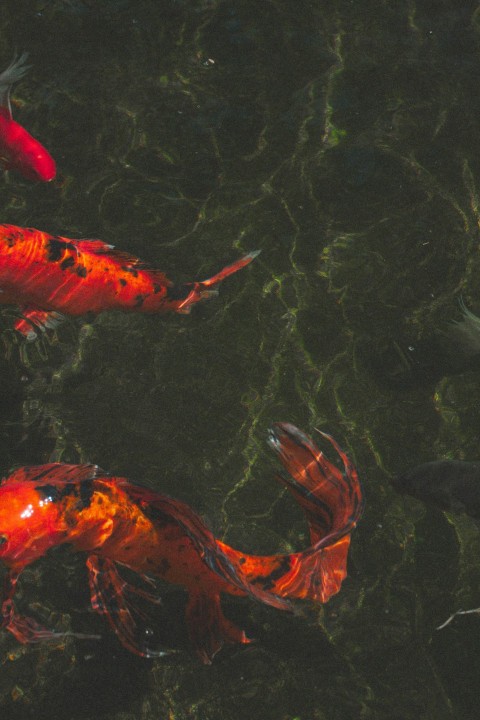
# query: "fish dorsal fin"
179 512
12 74
128 261
52 472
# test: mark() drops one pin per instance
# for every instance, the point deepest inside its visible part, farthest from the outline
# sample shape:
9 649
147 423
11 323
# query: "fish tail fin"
208 627
332 501
204 289
12 74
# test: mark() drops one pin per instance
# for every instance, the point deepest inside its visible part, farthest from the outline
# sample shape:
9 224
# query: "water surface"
343 140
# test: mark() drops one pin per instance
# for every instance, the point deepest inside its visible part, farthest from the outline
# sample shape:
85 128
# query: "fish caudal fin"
14 72
202 290
208 628
332 501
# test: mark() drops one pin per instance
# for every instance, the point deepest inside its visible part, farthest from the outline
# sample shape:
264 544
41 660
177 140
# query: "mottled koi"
120 524
48 276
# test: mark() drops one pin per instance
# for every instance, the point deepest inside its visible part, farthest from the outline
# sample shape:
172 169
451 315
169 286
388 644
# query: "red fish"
48 275
18 149
120 524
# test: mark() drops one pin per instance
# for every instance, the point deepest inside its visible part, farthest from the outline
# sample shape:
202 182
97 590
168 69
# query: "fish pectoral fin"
34 320
27 630
116 599
208 627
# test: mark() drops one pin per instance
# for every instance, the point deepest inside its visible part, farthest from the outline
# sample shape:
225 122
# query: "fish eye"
3 540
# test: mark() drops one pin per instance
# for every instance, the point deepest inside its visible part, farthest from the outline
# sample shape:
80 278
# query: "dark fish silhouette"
447 484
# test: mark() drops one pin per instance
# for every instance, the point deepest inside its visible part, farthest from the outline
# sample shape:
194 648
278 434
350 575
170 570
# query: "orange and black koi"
120 524
48 275
18 149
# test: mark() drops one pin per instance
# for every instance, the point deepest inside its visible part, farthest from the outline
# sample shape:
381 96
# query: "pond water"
342 139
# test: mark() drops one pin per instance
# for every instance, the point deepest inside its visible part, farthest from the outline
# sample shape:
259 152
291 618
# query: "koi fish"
48 276
18 149
120 524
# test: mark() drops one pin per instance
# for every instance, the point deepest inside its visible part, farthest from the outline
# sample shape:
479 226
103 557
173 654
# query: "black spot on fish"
81 271
130 270
110 601
68 262
139 300
86 492
159 518
11 240
268 581
157 288
178 292
49 492
163 567
56 248
123 282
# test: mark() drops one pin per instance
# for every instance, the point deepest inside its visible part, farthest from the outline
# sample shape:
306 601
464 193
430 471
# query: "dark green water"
343 140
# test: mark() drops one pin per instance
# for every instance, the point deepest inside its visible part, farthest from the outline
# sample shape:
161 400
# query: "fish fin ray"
99 247
200 290
331 500
26 629
208 627
33 320
114 597
52 472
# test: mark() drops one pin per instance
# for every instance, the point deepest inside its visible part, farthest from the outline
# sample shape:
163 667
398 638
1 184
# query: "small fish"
448 484
18 149
120 524
48 276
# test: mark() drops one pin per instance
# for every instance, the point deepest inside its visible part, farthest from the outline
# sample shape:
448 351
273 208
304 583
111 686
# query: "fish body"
117 523
47 276
448 484
18 149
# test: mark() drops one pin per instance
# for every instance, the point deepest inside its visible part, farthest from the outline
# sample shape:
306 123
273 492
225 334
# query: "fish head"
28 524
